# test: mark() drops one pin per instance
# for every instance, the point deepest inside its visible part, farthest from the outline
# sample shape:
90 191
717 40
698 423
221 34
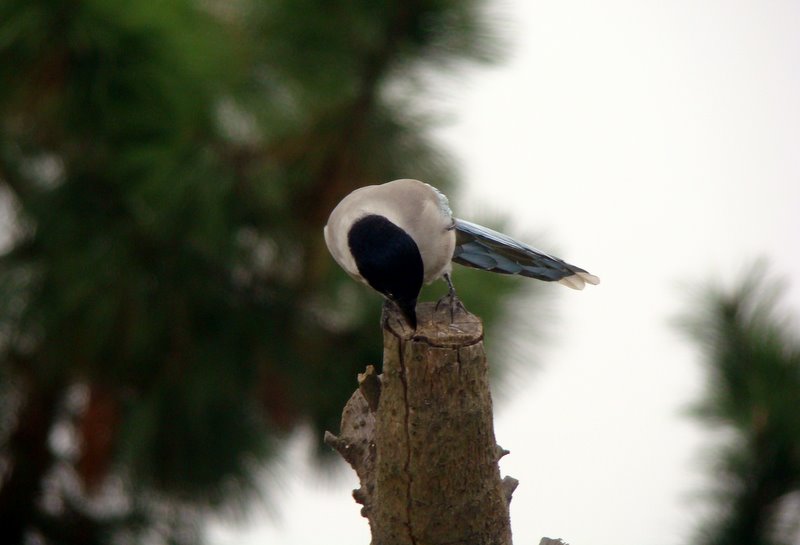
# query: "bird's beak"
408 308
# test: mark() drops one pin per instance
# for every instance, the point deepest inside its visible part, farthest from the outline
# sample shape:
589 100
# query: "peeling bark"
421 437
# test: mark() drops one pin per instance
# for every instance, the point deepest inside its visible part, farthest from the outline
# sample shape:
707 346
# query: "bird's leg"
451 299
451 289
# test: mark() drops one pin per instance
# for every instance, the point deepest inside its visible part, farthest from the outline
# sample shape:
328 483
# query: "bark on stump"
421 437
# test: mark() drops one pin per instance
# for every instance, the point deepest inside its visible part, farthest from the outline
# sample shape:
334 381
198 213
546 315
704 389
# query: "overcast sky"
657 144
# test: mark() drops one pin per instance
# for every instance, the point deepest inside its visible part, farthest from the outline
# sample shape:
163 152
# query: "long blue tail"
483 248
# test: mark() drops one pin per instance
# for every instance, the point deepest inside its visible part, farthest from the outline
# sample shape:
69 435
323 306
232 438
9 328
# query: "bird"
396 236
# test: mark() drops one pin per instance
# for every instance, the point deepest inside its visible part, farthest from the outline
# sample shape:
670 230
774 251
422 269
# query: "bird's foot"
452 303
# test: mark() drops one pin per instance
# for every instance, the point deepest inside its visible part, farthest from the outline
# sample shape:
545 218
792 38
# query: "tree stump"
421 437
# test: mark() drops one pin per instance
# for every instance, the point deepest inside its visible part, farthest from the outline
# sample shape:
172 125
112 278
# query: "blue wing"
483 248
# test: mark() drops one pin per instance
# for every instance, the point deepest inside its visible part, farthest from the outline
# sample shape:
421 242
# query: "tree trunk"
30 458
421 437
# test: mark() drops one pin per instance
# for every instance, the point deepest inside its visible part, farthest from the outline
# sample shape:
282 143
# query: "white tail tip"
579 280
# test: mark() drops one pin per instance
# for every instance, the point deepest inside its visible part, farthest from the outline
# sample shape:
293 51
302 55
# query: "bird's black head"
389 260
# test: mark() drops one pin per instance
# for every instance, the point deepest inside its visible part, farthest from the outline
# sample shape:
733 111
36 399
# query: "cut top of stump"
438 327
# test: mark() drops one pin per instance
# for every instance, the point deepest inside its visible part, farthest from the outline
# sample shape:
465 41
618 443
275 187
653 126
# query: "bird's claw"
451 302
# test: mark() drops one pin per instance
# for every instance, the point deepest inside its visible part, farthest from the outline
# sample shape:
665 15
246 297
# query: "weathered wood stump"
421 437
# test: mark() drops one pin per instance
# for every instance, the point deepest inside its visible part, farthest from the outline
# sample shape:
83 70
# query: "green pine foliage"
167 304
753 392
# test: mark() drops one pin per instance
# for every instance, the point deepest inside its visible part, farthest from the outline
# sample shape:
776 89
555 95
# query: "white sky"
656 143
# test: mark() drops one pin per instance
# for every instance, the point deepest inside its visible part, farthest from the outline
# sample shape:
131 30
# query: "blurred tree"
753 392
168 311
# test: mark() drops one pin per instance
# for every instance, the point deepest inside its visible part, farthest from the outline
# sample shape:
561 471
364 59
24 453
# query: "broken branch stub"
426 456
